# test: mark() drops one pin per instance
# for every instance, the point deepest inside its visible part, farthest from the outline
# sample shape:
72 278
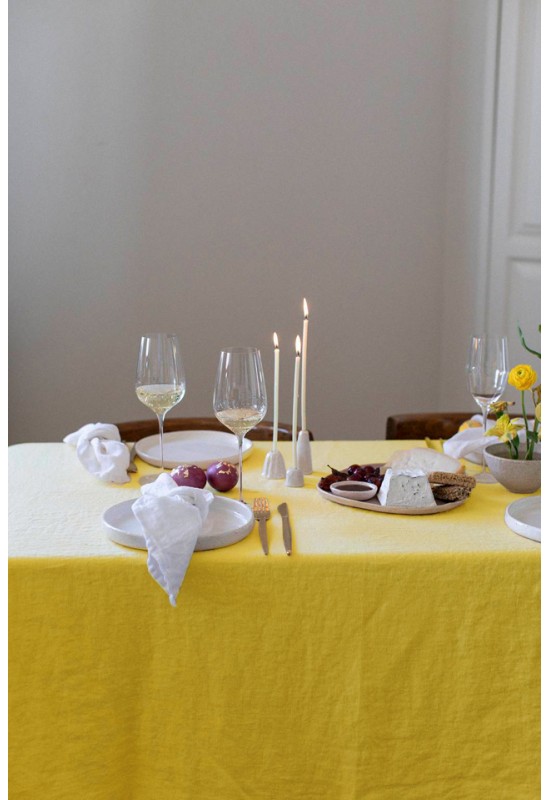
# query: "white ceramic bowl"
354 490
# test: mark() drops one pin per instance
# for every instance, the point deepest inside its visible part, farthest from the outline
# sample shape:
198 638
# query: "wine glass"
487 370
160 379
240 396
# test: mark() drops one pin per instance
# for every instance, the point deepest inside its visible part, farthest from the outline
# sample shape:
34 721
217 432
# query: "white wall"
201 166
493 233
474 45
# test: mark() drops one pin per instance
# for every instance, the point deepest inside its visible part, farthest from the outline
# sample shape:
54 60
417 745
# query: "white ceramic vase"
516 475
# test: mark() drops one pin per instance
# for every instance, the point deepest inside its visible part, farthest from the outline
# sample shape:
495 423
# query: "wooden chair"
419 426
138 429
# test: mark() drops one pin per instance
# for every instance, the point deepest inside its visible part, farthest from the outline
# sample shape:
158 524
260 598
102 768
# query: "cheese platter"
374 505
396 491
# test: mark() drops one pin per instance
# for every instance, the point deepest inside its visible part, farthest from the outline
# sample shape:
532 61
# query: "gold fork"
262 513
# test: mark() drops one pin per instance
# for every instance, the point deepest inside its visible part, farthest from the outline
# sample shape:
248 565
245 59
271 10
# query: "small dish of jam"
354 490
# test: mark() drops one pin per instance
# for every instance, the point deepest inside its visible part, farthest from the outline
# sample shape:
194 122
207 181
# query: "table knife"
287 532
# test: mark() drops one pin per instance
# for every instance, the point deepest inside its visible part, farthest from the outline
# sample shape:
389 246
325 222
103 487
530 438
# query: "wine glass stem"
484 411
240 441
161 437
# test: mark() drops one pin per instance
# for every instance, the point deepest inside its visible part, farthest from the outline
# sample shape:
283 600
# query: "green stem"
531 436
524 343
533 440
527 437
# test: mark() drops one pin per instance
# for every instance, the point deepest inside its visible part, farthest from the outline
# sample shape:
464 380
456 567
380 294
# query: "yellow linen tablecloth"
388 657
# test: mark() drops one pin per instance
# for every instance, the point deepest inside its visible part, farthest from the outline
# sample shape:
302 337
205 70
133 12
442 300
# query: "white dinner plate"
228 522
523 517
201 448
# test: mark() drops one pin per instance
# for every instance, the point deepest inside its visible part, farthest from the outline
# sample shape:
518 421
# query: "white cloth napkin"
101 452
172 517
470 442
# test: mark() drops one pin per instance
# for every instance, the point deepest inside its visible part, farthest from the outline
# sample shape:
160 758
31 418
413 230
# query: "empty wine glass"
160 379
487 370
240 396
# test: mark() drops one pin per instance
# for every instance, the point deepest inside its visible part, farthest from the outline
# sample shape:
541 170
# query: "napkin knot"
101 452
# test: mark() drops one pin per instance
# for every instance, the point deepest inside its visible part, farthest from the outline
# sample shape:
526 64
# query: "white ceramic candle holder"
303 453
294 477
274 465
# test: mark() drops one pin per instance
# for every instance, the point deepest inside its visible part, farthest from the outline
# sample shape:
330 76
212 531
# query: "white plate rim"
142 444
212 541
516 524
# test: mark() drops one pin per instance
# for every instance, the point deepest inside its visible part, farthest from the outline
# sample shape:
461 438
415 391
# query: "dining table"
389 657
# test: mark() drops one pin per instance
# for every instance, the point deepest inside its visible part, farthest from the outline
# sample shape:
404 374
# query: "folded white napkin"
172 517
470 442
101 452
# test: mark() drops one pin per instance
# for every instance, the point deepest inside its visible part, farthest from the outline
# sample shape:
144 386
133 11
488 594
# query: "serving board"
374 504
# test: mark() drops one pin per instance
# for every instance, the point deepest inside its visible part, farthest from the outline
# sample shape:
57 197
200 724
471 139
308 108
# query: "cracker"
452 479
450 493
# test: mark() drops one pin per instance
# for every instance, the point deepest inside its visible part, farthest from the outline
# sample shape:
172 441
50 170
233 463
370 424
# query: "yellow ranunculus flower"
522 377
505 429
537 412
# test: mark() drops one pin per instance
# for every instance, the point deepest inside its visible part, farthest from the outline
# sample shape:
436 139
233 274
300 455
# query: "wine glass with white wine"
487 370
160 379
240 396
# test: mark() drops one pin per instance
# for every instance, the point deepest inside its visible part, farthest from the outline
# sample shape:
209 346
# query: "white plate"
523 517
228 521
201 448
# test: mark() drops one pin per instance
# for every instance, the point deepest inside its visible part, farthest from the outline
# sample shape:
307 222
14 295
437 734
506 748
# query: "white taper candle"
304 364
295 402
275 390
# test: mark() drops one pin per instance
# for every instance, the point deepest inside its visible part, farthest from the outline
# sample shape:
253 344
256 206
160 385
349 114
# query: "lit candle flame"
306 310
276 341
298 346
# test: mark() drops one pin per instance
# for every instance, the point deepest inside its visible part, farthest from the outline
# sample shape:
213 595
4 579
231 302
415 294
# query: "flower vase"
516 475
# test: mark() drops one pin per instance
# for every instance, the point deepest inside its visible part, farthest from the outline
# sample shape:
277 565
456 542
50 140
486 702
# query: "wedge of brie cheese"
406 487
423 459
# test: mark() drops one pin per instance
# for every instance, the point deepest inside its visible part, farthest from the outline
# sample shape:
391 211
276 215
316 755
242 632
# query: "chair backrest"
433 425
138 429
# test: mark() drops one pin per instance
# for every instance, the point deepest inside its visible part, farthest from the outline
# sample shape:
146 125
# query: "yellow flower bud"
500 407
522 377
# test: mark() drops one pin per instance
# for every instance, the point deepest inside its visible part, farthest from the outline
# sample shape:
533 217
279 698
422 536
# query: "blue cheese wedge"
406 488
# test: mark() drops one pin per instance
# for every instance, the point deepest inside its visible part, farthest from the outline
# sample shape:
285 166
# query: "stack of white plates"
228 522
